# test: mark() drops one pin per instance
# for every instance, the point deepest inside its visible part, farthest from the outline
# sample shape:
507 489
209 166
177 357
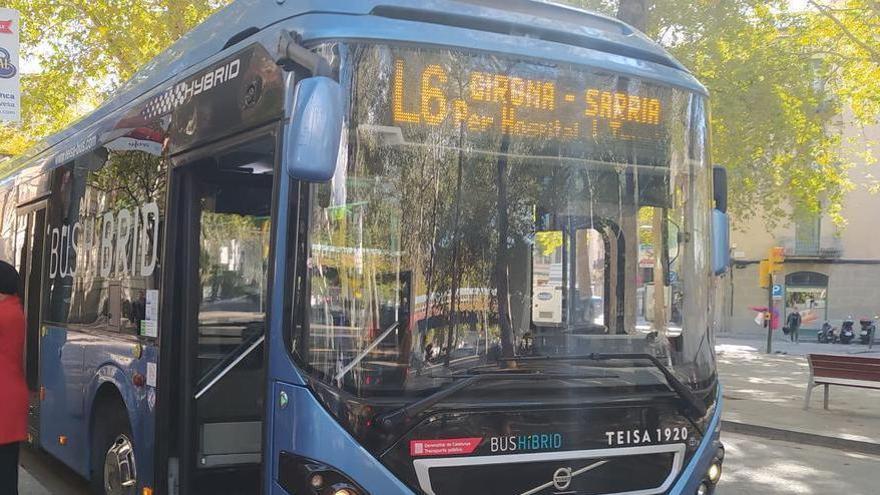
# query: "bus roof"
236 22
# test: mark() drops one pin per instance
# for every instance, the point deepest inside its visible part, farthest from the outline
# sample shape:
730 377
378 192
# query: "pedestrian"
793 323
13 389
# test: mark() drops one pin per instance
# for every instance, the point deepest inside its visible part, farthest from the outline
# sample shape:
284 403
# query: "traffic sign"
777 291
10 91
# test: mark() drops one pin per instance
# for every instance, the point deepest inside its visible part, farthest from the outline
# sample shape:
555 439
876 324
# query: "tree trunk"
584 265
634 13
454 303
660 316
501 276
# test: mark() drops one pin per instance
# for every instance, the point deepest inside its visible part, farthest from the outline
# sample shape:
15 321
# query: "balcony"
823 248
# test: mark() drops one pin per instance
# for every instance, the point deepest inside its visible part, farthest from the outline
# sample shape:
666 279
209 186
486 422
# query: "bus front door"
222 281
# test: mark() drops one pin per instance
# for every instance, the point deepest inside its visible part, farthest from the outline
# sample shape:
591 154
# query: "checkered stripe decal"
165 102
173 97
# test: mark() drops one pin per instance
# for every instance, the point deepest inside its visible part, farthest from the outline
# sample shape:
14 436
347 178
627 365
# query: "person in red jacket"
13 389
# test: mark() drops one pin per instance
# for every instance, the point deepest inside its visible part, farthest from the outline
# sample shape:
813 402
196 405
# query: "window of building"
807 293
807 231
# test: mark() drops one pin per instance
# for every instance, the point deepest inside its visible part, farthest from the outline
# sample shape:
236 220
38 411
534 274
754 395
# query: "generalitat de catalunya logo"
7 70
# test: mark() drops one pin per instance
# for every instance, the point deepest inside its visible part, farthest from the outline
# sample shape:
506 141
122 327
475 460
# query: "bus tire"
113 466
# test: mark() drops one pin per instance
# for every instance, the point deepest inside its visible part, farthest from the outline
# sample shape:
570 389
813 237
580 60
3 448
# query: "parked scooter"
867 331
847 334
827 334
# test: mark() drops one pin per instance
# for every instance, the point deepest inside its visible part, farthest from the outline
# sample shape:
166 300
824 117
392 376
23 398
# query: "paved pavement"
782 345
768 390
42 475
759 466
28 485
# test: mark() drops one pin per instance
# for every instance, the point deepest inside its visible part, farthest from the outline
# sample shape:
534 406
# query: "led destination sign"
527 101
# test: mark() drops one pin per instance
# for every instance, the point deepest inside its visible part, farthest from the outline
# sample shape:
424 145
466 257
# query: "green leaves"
779 80
85 49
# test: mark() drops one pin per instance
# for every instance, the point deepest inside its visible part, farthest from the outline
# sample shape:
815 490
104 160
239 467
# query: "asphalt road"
753 465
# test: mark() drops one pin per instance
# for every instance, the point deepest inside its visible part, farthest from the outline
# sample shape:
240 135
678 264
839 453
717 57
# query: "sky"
798 4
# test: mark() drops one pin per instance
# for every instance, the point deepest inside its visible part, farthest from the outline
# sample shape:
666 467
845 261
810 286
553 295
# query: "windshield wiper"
392 418
677 386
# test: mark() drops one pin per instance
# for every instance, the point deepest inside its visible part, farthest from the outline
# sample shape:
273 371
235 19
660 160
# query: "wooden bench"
847 371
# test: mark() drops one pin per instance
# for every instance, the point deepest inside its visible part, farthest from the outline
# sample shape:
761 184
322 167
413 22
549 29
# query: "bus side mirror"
719 187
720 222
720 242
311 144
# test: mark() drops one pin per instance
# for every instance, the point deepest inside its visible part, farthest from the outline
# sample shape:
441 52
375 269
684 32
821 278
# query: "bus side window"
548 281
659 264
569 279
105 227
588 298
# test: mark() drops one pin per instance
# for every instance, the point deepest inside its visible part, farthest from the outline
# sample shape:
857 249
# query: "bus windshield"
493 214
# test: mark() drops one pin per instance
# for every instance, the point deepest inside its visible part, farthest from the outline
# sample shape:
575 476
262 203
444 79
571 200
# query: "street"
753 466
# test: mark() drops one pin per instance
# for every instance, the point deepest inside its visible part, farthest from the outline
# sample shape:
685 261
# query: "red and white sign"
10 89
444 446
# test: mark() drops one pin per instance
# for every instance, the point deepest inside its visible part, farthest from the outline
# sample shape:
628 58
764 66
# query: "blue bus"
380 247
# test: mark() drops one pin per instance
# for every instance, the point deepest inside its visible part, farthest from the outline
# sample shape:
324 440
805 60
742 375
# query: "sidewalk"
764 394
28 485
40 474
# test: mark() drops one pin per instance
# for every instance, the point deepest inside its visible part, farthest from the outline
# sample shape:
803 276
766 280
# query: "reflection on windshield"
443 250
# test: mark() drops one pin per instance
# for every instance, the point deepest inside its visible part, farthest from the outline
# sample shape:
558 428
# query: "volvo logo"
562 479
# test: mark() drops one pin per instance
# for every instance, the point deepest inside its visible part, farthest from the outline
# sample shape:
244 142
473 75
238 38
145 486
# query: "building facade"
830 272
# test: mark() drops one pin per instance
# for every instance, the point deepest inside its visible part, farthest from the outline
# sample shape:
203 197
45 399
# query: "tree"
502 280
775 90
86 49
777 78
634 13
845 36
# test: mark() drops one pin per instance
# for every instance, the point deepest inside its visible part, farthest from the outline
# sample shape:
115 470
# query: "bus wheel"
114 470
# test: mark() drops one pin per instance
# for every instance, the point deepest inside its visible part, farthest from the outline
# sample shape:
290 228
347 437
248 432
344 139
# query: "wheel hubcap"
120 475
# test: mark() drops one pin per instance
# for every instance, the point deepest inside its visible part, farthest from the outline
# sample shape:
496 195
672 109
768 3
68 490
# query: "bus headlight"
317 481
714 473
302 476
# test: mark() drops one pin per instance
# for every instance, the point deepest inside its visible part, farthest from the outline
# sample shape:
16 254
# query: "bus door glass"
230 197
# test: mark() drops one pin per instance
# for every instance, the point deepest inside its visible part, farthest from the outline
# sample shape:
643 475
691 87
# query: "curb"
801 437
